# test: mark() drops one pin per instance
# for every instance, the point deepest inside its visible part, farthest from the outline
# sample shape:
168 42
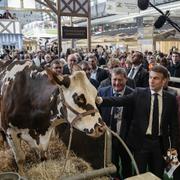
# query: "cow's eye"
81 99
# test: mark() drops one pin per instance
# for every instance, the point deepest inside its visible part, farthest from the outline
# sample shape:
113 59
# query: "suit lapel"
148 104
111 92
126 91
138 73
164 106
97 74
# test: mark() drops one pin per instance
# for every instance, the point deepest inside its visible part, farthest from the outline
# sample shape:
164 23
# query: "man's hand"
99 100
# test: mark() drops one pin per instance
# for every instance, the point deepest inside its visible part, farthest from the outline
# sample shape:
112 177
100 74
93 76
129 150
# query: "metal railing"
108 169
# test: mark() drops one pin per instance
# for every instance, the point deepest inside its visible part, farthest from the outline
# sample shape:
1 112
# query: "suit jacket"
66 69
101 74
141 78
94 82
140 101
175 70
106 112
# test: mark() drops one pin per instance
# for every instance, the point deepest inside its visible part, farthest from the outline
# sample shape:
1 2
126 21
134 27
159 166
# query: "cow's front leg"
14 143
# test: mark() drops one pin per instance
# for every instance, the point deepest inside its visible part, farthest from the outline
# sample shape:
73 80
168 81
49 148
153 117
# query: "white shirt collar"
160 92
136 67
121 92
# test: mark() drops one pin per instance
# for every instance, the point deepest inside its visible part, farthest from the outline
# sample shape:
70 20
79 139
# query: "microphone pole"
175 25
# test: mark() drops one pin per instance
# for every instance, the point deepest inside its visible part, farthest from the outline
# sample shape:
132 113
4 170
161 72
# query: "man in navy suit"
154 125
97 73
118 119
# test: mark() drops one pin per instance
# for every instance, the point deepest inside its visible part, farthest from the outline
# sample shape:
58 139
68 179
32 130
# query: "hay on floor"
51 169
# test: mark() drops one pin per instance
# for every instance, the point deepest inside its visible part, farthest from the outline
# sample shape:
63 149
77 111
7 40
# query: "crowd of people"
8 15
136 100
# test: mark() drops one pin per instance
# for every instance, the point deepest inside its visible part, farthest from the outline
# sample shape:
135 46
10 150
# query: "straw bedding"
51 169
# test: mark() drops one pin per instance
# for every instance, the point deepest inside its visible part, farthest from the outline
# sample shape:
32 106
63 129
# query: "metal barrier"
108 169
10 176
175 79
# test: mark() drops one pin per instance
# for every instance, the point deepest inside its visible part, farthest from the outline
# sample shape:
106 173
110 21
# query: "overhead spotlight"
161 20
143 4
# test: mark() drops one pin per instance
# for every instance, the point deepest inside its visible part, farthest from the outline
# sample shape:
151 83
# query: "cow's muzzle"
97 131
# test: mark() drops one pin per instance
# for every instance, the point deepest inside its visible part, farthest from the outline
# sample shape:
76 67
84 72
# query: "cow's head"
79 99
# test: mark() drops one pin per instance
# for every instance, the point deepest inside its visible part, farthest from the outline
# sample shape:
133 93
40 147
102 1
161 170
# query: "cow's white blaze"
80 84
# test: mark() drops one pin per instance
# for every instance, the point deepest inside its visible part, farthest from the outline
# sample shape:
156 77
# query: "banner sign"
74 32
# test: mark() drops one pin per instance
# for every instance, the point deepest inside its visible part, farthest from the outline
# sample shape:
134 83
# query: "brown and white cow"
31 106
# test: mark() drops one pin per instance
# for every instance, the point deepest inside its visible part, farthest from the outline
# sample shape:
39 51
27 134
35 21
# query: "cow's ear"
75 68
58 79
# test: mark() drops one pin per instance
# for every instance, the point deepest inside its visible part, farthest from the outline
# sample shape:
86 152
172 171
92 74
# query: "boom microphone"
161 20
143 4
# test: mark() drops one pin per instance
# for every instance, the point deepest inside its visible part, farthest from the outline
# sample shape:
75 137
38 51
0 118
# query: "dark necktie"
116 94
131 73
155 122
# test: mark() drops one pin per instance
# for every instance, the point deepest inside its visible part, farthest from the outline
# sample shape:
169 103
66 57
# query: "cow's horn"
58 79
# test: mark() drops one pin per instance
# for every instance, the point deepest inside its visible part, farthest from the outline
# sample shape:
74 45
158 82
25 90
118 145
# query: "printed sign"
74 32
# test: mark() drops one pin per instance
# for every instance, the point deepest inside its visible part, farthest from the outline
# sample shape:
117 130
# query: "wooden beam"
51 6
42 3
53 17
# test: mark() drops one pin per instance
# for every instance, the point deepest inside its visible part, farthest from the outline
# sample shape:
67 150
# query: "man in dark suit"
71 59
118 119
85 67
137 71
175 68
154 125
97 73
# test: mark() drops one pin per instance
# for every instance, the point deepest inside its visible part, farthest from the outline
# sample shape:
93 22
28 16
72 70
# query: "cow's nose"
87 131
101 129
